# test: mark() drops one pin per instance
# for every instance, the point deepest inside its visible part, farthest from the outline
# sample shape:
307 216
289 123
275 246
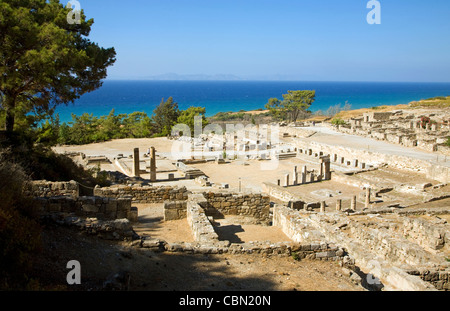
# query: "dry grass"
437 102
252 112
359 112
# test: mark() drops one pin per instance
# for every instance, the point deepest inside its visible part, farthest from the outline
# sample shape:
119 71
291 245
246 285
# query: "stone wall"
201 227
118 229
373 251
280 193
432 236
253 205
144 194
175 210
98 207
43 188
295 227
439 279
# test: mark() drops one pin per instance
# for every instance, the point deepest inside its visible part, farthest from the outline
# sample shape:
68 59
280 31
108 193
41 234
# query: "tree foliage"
44 60
165 116
188 117
294 104
87 128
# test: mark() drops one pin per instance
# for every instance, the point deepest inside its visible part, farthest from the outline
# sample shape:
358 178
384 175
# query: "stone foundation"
144 194
375 249
101 208
252 205
175 210
43 188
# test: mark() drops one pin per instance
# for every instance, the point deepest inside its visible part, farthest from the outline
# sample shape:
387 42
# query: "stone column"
367 202
322 206
279 182
325 168
152 164
311 177
304 171
353 203
321 172
286 180
136 163
335 157
339 205
355 163
295 176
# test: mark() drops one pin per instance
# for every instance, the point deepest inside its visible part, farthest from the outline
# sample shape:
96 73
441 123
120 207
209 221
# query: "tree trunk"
10 103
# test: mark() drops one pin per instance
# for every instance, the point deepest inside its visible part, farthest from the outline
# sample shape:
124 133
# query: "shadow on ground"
144 270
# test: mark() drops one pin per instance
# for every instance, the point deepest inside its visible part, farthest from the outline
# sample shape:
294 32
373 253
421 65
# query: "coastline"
233 96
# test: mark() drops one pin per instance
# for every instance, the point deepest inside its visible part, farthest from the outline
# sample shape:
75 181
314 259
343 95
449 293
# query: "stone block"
90 208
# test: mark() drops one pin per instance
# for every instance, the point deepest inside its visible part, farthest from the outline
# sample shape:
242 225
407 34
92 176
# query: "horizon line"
264 80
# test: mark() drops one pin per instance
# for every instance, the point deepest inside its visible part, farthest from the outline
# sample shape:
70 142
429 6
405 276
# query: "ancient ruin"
320 192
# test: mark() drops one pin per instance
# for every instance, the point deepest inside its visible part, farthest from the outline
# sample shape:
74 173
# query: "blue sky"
317 40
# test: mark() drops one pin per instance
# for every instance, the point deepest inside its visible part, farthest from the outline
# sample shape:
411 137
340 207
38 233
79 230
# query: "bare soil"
150 271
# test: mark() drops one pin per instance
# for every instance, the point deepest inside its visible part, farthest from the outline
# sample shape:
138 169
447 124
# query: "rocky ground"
107 265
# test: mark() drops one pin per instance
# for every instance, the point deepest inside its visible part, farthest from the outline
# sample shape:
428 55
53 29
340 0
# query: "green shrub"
338 121
296 256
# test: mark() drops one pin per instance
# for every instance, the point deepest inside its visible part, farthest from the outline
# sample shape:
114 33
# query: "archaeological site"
369 198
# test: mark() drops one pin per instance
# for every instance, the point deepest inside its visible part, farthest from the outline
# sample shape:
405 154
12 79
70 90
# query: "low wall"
118 229
44 188
144 194
290 222
96 207
201 227
439 279
324 227
253 205
430 236
280 193
175 210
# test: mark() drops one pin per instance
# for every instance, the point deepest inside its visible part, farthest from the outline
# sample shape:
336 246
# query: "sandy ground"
112 148
252 173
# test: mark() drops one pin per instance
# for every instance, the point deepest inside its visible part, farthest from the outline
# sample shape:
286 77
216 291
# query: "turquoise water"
216 96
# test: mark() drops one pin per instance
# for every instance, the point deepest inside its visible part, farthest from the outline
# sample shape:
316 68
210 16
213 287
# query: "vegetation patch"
434 102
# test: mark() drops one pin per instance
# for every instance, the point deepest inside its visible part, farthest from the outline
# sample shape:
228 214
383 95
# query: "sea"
233 96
